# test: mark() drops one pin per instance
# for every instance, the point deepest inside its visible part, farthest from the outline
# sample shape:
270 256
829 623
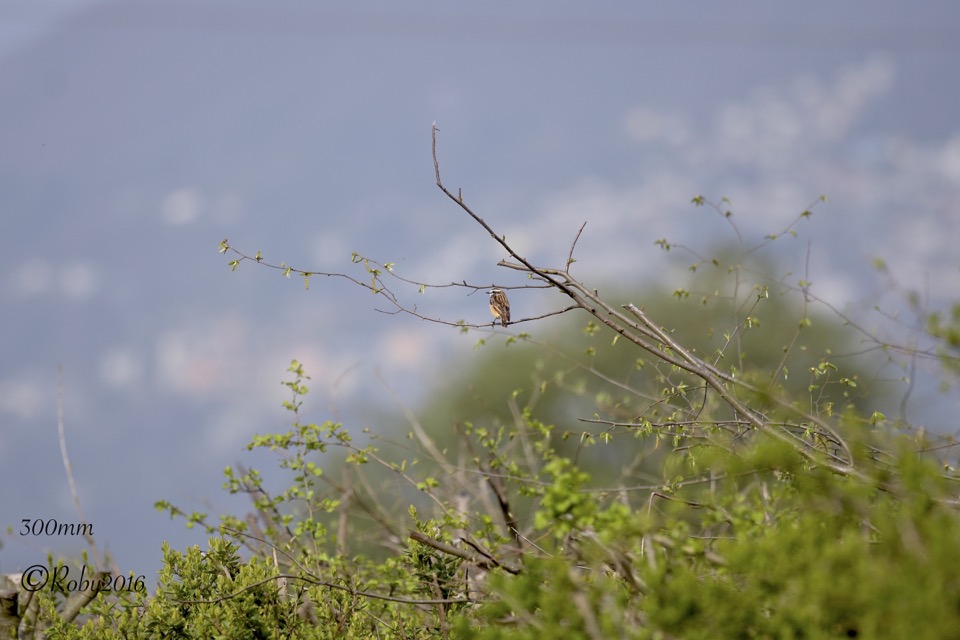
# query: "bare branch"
484 561
499 239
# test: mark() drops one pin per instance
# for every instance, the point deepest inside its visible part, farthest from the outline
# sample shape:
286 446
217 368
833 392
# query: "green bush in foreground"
706 498
762 545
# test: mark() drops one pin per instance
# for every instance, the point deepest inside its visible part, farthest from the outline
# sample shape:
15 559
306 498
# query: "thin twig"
61 433
570 259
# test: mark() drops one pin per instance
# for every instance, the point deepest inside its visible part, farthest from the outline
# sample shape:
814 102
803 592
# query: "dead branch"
485 561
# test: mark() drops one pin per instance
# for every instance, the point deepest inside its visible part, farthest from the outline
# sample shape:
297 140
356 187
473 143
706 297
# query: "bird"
499 306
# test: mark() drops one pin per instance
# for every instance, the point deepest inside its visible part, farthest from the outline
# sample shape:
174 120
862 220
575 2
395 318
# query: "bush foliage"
721 486
745 541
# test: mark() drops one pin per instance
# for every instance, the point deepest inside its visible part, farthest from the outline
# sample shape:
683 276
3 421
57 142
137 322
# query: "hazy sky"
136 136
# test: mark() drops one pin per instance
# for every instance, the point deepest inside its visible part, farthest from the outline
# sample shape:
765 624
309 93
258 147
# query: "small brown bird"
499 306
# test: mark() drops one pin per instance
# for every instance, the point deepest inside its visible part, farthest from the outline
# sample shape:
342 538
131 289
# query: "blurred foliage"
731 543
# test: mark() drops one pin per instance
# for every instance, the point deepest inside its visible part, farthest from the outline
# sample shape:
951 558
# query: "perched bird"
499 306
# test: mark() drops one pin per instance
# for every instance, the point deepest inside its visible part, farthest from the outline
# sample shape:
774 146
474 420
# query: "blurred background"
134 137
